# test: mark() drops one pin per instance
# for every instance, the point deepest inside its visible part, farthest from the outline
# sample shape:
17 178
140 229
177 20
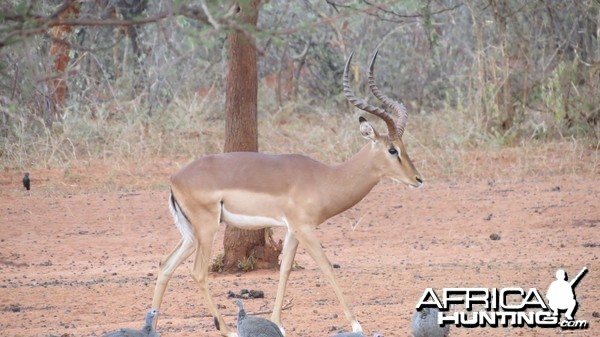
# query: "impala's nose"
419 181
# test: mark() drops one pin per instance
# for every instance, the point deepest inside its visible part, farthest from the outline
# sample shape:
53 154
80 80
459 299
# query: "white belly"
245 221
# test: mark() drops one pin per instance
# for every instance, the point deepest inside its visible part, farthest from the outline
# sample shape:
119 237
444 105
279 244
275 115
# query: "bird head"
240 305
150 316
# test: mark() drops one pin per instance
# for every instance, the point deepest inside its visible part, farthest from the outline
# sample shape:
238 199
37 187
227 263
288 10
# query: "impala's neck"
350 181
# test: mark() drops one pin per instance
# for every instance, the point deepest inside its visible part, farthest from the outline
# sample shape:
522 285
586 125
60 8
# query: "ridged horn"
361 104
394 106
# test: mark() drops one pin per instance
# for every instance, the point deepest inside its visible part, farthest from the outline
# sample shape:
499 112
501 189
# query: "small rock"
14 308
556 189
596 314
494 237
336 266
256 294
488 217
246 294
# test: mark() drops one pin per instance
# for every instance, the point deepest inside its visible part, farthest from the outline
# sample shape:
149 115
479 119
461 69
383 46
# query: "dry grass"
127 141
247 263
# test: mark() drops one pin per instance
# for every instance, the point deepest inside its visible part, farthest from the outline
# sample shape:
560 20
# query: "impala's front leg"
287 260
307 238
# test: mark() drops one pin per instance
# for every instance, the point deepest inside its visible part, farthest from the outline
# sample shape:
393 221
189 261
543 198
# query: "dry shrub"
444 145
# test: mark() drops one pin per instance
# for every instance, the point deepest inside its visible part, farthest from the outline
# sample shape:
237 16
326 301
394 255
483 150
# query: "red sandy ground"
76 260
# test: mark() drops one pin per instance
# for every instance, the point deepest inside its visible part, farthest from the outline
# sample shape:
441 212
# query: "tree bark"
59 52
504 96
241 134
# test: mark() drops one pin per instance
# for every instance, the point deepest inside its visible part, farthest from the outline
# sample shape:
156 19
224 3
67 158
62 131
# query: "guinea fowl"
425 324
252 326
146 331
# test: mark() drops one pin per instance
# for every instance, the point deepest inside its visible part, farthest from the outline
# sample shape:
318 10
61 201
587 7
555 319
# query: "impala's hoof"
356 327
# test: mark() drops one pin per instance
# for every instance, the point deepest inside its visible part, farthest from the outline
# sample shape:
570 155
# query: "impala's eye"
393 151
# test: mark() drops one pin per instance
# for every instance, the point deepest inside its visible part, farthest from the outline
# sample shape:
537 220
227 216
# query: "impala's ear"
366 130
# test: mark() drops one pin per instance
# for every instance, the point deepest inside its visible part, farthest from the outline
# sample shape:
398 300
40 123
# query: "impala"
254 190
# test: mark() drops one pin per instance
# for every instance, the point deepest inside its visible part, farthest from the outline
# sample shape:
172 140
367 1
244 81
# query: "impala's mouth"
418 183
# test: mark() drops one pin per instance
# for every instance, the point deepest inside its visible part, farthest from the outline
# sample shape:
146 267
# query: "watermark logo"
561 294
515 307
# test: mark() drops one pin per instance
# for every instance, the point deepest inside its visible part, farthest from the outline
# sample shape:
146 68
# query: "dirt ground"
79 254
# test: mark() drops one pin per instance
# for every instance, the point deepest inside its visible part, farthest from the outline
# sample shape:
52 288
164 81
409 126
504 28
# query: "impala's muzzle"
419 184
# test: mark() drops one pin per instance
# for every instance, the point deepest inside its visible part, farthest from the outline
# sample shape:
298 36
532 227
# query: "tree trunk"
254 248
504 98
59 52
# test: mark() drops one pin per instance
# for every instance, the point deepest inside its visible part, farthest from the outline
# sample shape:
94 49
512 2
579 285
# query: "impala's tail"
181 220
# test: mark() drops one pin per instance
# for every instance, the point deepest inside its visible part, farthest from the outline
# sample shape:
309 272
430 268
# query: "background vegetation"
475 74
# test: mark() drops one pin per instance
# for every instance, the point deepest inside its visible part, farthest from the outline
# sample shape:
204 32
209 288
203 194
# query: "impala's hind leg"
184 249
287 260
200 274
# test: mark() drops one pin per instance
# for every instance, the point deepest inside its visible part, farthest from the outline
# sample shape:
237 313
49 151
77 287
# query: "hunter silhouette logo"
561 293
504 307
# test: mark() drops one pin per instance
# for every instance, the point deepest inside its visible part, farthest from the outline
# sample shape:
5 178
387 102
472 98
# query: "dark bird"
26 181
146 331
425 324
252 326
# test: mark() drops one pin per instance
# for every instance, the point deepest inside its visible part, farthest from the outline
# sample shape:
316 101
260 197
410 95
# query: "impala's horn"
361 104
394 106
